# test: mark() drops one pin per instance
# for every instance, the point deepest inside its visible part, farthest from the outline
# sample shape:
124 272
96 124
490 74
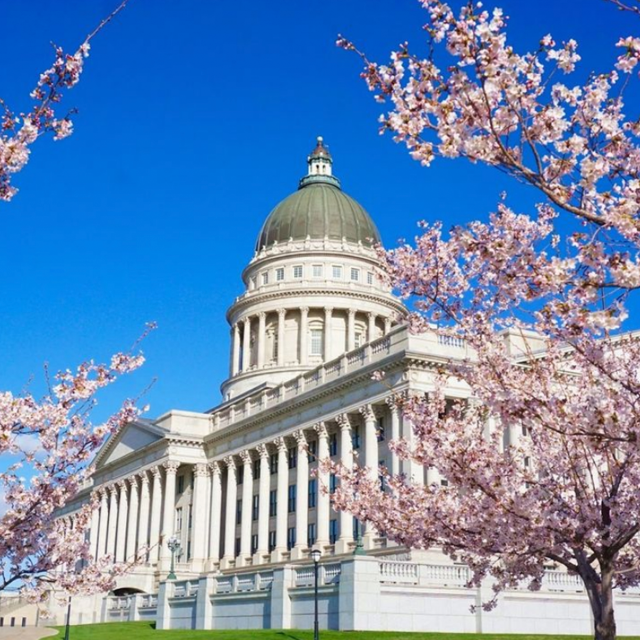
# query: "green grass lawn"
145 631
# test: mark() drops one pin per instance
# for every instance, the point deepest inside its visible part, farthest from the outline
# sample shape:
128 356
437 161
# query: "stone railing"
243 583
148 601
185 589
398 572
118 602
328 574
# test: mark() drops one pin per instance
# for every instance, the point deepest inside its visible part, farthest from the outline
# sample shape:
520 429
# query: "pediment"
131 437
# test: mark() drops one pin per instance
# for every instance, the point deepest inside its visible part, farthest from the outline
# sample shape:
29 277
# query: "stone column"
145 506
387 325
394 412
370 460
328 311
95 526
132 530
156 516
322 510
304 315
123 510
412 469
302 496
346 458
169 510
245 522
104 520
246 345
199 517
281 318
263 505
351 330
281 498
230 513
371 328
235 350
215 519
262 338
113 521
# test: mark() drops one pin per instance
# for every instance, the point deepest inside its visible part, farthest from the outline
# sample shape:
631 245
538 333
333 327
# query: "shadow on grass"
285 634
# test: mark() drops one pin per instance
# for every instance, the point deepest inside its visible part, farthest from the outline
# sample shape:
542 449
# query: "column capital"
371 315
171 466
201 469
280 444
262 315
230 462
304 310
321 429
343 421
300 438
245 456
122 485
133 481
367 411
282 312
214 467
262 450
157 474
351 312
144 477
113 490
394 402
328 310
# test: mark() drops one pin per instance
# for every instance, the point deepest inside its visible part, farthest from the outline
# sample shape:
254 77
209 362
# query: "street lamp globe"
316 554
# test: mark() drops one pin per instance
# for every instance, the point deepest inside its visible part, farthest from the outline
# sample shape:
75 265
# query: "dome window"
279 274
355 274
297 271
337 271
316 342
265 278
369 277
317 271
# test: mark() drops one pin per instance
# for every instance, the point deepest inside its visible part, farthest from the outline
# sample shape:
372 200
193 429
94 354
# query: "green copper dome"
318 210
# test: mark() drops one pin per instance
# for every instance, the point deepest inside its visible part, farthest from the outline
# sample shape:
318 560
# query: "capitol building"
237 486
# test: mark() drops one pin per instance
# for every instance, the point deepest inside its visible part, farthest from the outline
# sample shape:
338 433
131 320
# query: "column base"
243 561
211 565
343 545
259 557
277 555
369 540
299 552
227 562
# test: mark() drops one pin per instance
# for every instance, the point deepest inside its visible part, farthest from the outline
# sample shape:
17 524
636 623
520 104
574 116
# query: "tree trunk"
601 599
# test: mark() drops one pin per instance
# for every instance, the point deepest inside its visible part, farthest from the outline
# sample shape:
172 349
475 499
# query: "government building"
236 487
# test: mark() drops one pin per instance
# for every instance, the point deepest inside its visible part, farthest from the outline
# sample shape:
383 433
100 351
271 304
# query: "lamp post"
174 545
66 628
359 550
315 555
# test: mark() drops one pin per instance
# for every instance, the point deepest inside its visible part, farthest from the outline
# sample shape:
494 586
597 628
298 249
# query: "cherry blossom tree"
48 444
19 132
542 458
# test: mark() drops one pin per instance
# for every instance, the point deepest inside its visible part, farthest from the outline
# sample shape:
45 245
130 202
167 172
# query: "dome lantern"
319 164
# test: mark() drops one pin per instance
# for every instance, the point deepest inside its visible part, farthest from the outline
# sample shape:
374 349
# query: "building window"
317 271
273 463
336 272
240 475
189 550
272 540
255 507
293 457
444 483
355 274
237 553
238 511
355 437
333 531
274 350
369 277
356 528
256 469
311 534
179 519
381 478
380 429
265 277
279 274
253 283
333 444
180 484
254 543
291 503
358 339
297 271
273 502
316 342
333 483
312 493
312 446
291 537
190 516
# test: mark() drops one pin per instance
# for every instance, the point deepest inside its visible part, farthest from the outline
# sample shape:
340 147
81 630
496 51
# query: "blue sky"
195 119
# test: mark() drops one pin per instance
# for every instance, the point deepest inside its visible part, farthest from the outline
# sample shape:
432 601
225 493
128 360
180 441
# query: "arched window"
316 342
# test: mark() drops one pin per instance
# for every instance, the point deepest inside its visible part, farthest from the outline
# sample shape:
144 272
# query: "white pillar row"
104 520
94 531
281 318
113 521
322 510
245 521
246 345
156 516
230 513
132 527
215 513
394 411
281 500
346 458
370 460
145 512
304 337
302 496
169 509
199 518
262 338
371 328
351 329
263 504
328 311
235 350
387 325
